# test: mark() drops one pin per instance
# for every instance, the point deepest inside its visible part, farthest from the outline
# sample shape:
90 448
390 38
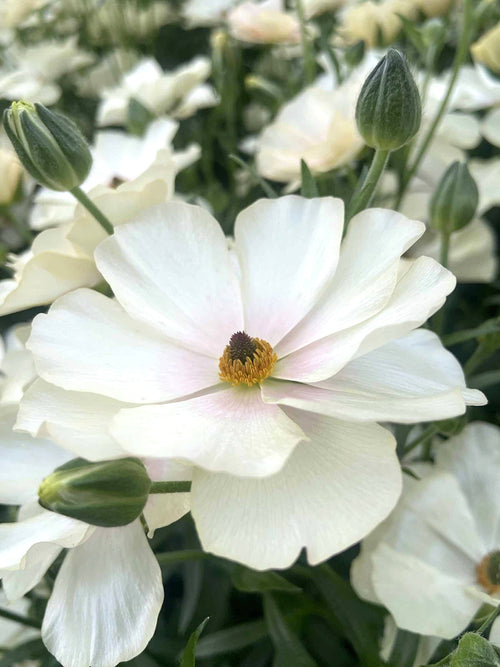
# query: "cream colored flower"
160 92
10 175
14 12
428 564
317 126
202 13
263 22
366 20
266 365
487 49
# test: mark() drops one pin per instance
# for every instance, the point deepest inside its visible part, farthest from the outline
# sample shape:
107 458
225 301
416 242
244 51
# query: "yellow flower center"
246 360
488 572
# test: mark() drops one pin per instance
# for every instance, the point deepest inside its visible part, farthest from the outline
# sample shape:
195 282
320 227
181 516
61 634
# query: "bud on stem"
388 111
49 145
106 493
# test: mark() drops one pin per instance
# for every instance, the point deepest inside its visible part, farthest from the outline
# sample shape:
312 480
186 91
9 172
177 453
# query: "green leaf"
289 650
309 188
188 655
232 639
413 34
488 327
474 651
359 620
250 581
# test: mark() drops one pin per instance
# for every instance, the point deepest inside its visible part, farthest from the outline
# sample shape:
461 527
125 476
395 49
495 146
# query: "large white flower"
160 92
277 421
432 562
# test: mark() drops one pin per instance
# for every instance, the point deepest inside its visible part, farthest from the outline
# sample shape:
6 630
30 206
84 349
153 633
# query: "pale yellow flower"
367 20
487 49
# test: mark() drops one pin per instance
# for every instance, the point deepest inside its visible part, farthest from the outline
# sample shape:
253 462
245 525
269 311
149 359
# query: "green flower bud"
107 493
455 199
49 145
388 111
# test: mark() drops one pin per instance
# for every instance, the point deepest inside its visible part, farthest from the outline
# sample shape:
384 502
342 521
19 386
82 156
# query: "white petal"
409 380
231 430
77 421
331 492
25 461
19 541
162 509
490 127
104 615
421 598
418 294
473 457
288 249
365 277
87 342
171 269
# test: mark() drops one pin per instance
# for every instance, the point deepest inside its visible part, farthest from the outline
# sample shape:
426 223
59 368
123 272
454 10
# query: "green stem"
309 63
80 195
445 249
460 56
362 198
170 487
12 616
425 435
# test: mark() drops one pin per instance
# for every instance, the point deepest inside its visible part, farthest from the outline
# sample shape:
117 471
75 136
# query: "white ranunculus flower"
31 72
277 421
61 259
486 174
160 92
432 562
94 616
202 13
264 22
117 158
317 126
